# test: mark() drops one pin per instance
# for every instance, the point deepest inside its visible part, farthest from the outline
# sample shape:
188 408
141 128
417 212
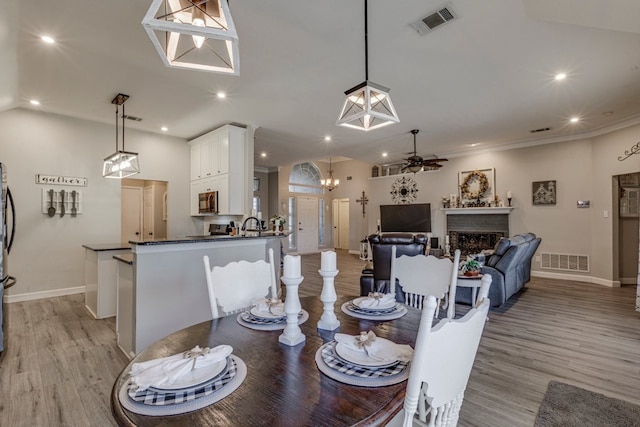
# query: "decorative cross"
364 201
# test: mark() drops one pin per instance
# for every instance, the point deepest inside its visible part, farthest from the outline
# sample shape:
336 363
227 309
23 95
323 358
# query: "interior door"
131 216
148 223
343 229
335 217
307 227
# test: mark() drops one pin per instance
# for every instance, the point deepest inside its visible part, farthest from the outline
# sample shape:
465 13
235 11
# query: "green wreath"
469 179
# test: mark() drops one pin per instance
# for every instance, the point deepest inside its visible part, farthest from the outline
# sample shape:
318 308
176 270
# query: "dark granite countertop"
107 246
206 239
126 258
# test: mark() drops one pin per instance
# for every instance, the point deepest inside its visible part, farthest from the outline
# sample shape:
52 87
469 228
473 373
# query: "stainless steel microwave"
208 202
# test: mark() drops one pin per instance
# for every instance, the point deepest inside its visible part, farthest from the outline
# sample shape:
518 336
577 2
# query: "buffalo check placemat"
334 367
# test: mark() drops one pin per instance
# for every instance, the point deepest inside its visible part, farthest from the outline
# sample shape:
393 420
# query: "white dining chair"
441 366
422 275
237 285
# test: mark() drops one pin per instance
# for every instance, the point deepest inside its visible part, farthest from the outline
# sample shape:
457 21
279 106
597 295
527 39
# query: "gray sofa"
509 267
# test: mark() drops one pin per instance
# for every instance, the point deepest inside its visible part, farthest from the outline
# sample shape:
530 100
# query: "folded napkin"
165 371
376 299
271 306
375 348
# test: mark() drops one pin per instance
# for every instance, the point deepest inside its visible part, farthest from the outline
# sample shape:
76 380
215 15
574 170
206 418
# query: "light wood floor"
60 363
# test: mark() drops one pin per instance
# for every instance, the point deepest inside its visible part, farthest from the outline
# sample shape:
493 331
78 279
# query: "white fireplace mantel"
475 211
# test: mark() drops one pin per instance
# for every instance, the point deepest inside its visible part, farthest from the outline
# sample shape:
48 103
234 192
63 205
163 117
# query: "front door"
307 227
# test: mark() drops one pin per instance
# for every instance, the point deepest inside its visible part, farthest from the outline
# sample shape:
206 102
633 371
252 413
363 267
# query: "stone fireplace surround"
477 229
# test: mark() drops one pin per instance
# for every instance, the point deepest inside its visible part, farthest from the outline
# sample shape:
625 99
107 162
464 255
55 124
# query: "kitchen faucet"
258 225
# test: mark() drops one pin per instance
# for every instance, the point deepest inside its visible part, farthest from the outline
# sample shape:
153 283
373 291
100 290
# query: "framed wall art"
544 192
477 187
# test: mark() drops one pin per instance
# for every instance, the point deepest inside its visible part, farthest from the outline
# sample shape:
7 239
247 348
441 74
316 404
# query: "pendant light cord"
366 44
117 108
123 127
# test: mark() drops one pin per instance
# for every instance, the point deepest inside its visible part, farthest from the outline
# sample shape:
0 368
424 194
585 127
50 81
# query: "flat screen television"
415 218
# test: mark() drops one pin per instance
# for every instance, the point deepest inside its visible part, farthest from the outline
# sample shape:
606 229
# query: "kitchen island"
100 277
162 288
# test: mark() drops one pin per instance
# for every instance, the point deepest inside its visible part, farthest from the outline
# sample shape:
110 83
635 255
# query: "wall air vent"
134 118
434 20
566 262
539 130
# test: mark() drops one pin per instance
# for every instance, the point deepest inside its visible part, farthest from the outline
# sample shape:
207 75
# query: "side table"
472 282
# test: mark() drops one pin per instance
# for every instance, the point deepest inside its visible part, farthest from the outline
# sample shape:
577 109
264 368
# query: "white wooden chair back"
236 285
422 275
442 363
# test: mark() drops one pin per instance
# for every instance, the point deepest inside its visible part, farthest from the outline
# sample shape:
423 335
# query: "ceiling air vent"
134 118
539 130
434 20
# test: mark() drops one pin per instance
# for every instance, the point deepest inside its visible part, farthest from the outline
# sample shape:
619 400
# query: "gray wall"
47 254
583 169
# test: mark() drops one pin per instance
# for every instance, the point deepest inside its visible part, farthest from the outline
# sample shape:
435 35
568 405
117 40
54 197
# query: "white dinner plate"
277 312
195 377
361 358
385 306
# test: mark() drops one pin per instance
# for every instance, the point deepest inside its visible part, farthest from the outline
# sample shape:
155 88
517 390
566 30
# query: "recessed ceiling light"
327 138
221 95
34 102
385 154
561 76
48 39
263 154
473 144
164 128
574 119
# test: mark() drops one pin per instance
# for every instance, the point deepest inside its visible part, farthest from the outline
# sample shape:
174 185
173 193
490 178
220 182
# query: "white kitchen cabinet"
220 166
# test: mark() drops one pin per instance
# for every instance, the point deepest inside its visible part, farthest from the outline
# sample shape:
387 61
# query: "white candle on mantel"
328 261
509 195
259 215
291 267
446 239
253 212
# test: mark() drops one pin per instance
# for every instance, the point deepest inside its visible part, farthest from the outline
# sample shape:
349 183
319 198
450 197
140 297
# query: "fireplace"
474 232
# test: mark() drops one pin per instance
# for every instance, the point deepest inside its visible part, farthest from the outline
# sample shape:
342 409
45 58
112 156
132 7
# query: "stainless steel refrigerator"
7 233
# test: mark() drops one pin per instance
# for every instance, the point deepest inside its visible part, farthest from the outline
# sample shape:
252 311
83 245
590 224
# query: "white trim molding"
44 294
577 278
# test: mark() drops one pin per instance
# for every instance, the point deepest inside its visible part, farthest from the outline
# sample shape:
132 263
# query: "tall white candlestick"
509 195
259 216
291 266
328 261
446 239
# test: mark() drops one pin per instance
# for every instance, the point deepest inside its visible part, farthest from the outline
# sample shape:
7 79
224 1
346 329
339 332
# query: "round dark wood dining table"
283 386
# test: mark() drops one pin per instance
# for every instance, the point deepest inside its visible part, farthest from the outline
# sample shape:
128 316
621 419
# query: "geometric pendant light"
194 34
120 164
368 105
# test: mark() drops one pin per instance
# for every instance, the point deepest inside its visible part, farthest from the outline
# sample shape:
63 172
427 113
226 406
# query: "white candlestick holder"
328 320
292 334
447 250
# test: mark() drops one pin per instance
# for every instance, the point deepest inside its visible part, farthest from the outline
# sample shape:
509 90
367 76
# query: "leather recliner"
375 278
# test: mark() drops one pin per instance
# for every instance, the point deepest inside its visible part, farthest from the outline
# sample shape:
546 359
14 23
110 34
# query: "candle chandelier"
330 183
368 105
120 164
194 34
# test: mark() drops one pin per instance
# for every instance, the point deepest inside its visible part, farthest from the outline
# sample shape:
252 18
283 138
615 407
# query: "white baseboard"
44 294
577 278
352 252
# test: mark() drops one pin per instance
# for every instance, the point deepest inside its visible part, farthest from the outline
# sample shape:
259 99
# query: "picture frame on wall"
544 192
477 184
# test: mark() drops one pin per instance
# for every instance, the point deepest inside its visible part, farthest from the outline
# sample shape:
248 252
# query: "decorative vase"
471 273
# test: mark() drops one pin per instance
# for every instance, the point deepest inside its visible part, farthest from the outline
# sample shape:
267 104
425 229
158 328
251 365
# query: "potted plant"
278 222
470 267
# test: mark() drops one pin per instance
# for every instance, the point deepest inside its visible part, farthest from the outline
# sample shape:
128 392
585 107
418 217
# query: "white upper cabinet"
221 153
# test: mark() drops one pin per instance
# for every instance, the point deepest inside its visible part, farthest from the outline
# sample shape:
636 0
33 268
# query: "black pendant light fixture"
120 164
368 105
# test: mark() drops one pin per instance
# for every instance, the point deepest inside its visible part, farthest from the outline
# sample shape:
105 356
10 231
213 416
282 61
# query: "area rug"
565 405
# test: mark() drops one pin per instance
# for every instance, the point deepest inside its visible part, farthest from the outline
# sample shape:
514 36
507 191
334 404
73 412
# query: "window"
305 178
256 203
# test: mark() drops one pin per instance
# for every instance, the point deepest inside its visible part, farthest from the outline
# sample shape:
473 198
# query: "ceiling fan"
416 163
